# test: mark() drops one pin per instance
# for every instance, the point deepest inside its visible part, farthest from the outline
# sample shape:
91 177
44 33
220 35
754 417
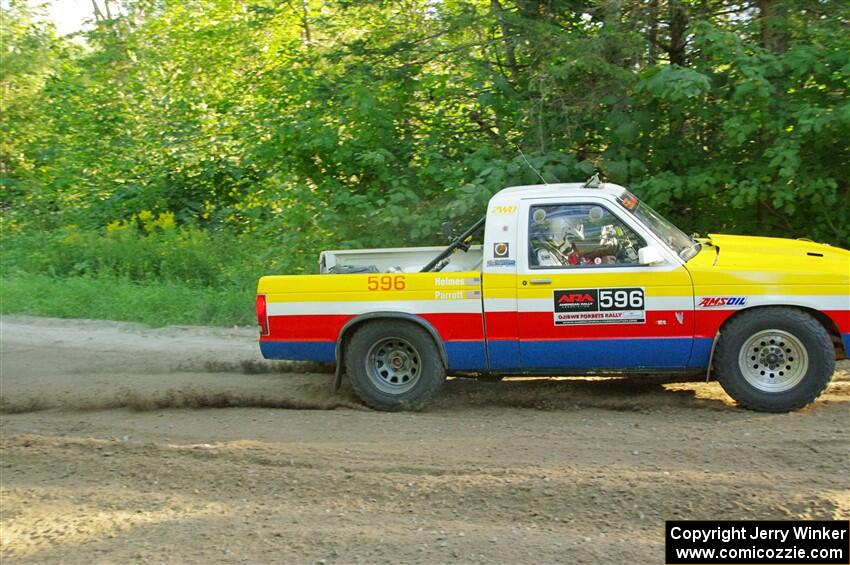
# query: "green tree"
362 123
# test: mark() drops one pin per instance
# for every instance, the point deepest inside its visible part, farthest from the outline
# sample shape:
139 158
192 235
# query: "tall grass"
184 256
115 298
154 275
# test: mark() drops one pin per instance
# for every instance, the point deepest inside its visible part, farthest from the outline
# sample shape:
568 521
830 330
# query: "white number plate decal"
599 306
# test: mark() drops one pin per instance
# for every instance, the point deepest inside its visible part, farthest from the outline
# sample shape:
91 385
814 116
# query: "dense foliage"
309 124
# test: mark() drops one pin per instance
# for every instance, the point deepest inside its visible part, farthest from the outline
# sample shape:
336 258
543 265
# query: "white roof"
606 189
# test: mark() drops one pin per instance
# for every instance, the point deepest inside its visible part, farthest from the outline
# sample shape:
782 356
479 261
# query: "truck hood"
816 262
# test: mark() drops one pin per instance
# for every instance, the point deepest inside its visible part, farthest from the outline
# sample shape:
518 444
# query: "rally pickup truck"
571 279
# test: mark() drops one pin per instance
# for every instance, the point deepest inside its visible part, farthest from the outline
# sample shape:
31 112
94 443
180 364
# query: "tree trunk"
305 22
510 48
652 33
98 15
774 36
678 33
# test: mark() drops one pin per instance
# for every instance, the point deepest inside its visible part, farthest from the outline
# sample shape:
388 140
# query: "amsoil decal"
721 301
599 306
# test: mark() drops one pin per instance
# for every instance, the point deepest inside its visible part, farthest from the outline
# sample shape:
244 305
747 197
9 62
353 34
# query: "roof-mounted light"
593 182
628 201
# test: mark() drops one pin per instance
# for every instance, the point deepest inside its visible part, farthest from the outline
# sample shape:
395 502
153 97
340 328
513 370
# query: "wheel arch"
824 319
351 326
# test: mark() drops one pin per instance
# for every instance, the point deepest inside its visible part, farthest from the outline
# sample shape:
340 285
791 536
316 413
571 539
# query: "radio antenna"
530 166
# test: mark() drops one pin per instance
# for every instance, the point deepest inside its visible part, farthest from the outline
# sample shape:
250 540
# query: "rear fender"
352 324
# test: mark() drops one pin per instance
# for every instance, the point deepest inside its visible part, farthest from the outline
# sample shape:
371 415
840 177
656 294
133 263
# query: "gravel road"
121 443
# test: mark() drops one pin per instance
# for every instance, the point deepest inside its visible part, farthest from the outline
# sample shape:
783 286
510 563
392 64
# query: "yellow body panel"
366 287
770 266
728 264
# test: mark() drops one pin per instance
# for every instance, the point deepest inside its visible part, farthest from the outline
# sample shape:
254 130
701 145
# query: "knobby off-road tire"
394 365
775 359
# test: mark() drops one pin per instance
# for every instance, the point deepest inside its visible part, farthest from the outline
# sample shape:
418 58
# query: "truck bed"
397 260
307 314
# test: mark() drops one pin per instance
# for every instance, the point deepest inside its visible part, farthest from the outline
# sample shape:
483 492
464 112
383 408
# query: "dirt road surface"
126 444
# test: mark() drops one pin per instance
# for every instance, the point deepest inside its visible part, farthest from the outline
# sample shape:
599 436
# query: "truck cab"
571 279
614 297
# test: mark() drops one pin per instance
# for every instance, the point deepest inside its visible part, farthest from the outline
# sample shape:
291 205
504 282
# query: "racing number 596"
632 298
386 282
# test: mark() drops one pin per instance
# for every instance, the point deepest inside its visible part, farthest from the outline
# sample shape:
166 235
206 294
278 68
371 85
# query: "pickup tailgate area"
304 316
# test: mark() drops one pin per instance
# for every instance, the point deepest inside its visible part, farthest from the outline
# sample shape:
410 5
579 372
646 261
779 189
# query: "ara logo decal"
721 301
576 297
576 300
501 249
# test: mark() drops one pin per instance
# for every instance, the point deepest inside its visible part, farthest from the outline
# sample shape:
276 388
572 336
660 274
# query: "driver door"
586 303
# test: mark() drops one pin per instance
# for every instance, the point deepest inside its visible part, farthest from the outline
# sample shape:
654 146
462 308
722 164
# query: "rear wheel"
394 365
774 359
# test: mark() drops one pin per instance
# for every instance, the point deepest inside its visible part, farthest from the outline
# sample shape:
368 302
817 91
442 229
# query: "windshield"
683 245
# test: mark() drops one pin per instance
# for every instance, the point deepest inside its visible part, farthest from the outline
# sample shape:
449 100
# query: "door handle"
540 281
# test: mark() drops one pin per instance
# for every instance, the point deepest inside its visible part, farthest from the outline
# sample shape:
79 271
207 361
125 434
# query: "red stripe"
541 326
306 327
502 325
709 321
457 326
326 327
530 325
841 319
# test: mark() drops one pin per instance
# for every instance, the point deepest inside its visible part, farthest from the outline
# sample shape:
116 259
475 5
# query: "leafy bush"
116 298
145 249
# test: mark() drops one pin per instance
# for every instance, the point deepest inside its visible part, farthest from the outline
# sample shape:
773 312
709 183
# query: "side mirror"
650 256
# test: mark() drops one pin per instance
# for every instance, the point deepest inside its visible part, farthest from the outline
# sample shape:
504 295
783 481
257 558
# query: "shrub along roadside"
144 270
156 303
185 255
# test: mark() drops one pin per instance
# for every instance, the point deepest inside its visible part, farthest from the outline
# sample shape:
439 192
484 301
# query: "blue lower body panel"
592 354
318 351
466 355
557 356
504 354
701 353
462 355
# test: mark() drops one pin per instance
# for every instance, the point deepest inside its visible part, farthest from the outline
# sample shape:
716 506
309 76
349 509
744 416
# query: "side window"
579 235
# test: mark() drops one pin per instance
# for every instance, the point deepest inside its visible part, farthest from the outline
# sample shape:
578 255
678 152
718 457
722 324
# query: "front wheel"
774 359
394 365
